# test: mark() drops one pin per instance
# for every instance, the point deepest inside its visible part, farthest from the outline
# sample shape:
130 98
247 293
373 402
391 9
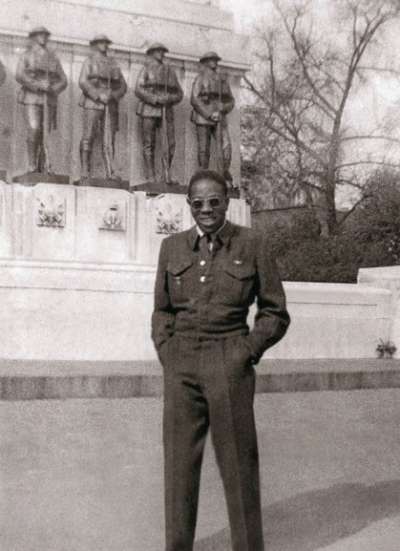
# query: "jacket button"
202 262
202 279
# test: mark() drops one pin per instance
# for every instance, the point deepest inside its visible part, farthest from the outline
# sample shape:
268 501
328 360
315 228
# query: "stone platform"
44 380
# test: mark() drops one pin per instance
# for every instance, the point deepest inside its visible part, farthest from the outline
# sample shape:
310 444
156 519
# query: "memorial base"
3 175
33 178
159 188
110 183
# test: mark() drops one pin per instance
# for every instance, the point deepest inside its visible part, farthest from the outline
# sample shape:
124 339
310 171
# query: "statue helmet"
156 46
210 55
39 30
100 38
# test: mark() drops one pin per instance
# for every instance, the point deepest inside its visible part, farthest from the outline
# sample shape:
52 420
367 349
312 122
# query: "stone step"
42 380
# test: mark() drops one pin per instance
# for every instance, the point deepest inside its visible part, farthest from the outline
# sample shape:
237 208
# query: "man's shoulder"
248 234
177 239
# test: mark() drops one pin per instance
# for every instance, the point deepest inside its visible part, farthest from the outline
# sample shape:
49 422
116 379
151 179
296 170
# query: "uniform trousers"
210 384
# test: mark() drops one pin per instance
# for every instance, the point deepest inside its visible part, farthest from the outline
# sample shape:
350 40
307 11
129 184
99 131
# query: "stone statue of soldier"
42 79
158 90
103 85
212 100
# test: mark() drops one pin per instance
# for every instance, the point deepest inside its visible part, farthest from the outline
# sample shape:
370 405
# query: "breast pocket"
179 280
237 282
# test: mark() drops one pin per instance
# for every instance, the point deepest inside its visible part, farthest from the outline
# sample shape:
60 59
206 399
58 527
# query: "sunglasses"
213 202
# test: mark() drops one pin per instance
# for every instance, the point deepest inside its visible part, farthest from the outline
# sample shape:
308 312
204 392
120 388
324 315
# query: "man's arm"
163 318
272 318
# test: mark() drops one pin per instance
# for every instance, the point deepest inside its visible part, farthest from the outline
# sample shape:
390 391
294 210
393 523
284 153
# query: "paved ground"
86 475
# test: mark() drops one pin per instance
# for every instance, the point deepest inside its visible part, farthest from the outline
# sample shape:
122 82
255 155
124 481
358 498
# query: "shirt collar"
224 234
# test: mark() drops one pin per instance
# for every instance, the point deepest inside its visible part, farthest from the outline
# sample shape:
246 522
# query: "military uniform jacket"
155 79
39 65
211 92
210 298
98 74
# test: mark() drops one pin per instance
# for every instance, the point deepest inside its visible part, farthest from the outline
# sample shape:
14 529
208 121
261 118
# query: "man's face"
208 204
158 55
102 46
41 38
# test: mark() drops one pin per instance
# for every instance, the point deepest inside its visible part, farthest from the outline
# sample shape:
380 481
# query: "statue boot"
32 149
149 172
85 154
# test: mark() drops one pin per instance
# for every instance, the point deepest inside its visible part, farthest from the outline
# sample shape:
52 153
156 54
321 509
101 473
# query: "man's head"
40 35
157 51
208 200
101 43
210 59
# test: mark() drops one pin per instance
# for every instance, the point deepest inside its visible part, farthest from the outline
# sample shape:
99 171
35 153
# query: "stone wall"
188 29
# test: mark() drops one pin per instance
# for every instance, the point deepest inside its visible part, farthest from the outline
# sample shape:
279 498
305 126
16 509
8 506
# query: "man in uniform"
158 90
103 85
41 75
212 100
207 279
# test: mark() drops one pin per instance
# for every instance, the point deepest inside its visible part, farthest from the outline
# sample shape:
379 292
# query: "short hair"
206 174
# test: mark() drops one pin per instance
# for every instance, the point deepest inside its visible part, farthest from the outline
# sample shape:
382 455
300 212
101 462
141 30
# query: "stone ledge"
35 380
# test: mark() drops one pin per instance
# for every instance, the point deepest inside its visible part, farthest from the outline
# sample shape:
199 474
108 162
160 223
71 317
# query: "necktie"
205 244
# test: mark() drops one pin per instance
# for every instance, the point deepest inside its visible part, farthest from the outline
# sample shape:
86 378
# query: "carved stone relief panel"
51 211
114 218
168 215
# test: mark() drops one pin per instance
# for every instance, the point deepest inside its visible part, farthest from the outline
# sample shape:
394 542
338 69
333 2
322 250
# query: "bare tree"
304 83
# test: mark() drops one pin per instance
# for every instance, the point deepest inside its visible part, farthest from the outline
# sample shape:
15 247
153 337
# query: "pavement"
86 475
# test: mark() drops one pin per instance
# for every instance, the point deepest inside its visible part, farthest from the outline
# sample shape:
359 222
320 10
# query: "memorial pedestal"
33 178
112 183
77 269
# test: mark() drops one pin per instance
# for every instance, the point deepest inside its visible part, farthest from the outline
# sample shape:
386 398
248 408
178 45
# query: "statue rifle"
164 137
220 155
107 136
46 125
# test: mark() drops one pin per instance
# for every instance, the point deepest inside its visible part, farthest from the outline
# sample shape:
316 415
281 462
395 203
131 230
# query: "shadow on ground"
315 519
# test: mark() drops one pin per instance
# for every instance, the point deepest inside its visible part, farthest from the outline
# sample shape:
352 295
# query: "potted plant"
385 349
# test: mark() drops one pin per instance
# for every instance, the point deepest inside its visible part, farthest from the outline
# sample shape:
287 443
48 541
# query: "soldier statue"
103 85
42 79
212 100
158 90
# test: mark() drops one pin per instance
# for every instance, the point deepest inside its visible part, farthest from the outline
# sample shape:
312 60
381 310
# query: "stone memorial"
78 261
